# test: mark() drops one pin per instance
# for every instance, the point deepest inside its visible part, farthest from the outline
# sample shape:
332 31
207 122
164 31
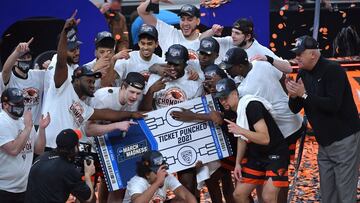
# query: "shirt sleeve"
120 68
152 80
136 186
254 112
4 136
77 187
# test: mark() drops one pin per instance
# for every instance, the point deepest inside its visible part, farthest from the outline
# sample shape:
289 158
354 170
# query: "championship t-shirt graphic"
171 96
76 110
31 96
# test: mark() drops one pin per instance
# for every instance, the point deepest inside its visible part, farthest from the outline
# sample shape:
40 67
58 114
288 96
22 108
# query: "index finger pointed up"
74 14
29 42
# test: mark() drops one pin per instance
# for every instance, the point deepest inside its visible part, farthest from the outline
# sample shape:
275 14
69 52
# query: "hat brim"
186 14
222 94
205 51
140 35
97 75
298 50
225 66
73 45
174 61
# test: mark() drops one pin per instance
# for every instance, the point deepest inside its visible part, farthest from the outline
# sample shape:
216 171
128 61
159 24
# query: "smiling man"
188 34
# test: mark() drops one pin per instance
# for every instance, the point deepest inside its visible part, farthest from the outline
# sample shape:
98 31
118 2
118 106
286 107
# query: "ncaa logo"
206 44
146 28
174 52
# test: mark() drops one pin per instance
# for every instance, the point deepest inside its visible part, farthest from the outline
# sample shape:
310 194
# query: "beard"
86 91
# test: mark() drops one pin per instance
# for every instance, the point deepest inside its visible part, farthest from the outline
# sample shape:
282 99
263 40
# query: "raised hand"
23 47
217 29
44 121
233 128
71 22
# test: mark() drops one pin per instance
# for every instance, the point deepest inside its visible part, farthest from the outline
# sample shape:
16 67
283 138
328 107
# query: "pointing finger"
29 42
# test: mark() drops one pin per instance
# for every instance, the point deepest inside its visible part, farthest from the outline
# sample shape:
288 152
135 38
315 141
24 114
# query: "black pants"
10 197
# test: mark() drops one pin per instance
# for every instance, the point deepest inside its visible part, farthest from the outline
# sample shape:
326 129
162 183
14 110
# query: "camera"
85 154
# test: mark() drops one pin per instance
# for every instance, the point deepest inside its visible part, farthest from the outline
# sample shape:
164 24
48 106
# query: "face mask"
24 66
16 111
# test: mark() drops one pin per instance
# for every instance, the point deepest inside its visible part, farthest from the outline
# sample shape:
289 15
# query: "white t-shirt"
169 35
32 88
136 64
263 81
66 111
175 91
226 43
50 72
138 185
15 169
108 98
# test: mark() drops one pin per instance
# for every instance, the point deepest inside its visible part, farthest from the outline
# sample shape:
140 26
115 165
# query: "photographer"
54 175
152 182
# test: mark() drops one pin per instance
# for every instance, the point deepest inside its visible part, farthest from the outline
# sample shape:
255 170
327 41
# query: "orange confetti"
280 26
327 47
284 43
281 13
273 49
117 37
344 15
274 35
272 44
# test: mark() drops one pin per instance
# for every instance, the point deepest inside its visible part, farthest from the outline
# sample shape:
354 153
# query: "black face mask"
24 66
17 110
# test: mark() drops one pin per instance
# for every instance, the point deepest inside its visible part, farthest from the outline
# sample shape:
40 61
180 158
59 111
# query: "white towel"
242 120
205 172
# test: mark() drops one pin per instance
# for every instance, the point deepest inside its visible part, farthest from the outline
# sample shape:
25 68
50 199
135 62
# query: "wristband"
269 59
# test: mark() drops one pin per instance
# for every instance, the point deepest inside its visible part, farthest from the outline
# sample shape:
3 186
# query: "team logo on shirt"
171 96
76 111
31 96
27 148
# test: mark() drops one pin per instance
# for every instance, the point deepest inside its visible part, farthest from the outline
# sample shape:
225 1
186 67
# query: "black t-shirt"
256 111
53 178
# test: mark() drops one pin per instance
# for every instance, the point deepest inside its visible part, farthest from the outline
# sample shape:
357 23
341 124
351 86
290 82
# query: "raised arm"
20 49
61 70
147 17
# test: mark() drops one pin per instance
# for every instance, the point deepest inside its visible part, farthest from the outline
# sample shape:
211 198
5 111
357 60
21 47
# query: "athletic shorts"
258 172
292 139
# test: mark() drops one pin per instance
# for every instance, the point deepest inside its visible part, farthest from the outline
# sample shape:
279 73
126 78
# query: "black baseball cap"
153 160
12 95
212 70
177 54
224 87
136 80
234 56
104 39
305 42
73 43
209 45
149 30
189 10
85 71
67 139
244 25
